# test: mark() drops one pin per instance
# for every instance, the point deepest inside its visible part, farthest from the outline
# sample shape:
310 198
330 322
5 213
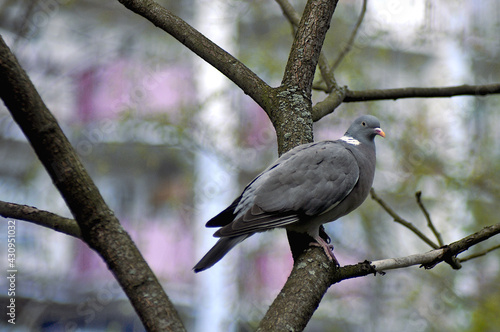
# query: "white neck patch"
350 140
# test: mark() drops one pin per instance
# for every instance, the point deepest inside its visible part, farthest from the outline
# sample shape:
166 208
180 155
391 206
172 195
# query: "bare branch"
293 310
231 67
432 92
289 12
326 73
433 257
479 254
397 218
348 46
460 246
445 254
329 104
402 262
418 195
309 280
41 218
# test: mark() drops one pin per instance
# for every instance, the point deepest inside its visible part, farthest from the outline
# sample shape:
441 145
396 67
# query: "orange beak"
380 132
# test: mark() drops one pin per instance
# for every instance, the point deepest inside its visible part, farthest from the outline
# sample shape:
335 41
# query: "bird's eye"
363 124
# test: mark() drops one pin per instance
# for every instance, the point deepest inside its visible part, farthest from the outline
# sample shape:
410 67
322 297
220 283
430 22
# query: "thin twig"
289 12
479 254
348 46
402 221
418 195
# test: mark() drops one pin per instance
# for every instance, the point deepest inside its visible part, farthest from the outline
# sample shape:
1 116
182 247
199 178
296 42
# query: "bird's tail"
219 250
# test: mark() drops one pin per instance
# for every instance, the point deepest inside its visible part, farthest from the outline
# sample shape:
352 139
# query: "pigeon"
308 186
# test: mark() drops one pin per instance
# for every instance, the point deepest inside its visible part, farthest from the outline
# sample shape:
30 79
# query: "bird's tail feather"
219 250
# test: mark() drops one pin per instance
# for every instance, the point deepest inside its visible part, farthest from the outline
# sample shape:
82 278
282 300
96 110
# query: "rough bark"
291 112
40 217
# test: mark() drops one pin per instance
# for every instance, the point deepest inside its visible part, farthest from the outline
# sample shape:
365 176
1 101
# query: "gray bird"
308 186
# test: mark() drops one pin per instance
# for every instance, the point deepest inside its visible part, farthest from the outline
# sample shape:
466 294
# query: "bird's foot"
328 248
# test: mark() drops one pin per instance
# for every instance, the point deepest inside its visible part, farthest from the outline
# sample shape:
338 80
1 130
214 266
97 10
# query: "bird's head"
365 128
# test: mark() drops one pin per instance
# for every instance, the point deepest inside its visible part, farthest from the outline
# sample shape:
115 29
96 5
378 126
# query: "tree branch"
330 103
418 196
311 276
432 92
306 48
397 218
41 218
452 261
444 254
294 18
292 120
291 109
348 46
99 227
289 12
479 254
228 65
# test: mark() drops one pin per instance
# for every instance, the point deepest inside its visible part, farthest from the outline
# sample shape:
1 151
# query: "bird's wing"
304 183
225 217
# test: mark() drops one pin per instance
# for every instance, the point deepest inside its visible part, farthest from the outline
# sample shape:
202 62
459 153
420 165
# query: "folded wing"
297 185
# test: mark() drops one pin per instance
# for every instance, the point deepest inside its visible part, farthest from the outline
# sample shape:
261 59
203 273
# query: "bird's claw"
328 249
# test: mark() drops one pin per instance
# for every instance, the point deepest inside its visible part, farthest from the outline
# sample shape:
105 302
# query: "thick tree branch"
231 67
41 218
292 120
306 48
311 276
99 227
293 16
291 109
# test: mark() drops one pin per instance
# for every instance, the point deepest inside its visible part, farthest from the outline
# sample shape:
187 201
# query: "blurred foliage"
485 317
